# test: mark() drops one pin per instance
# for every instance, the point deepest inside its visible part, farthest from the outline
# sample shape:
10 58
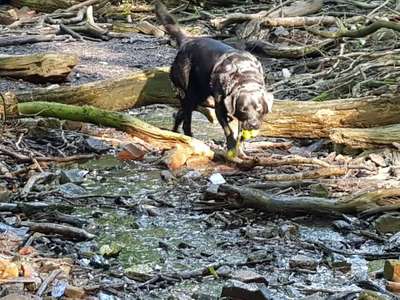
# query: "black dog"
205 68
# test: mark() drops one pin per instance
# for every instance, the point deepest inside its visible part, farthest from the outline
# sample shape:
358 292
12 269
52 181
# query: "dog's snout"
252 124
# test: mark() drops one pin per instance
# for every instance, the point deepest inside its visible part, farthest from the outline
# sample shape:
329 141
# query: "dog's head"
249 106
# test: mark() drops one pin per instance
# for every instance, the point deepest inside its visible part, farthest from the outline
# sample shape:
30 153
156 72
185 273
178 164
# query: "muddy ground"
160 235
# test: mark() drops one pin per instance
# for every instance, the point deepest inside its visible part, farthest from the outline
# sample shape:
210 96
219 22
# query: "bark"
375 137
271 50
222 22
15 41
358 33
293 119
162 139
297 119
248 197
44 5
134 90
38 68
298 9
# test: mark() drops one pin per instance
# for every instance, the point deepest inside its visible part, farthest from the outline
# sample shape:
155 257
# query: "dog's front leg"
228 131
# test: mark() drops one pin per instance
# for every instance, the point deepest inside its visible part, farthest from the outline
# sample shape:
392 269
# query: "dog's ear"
230 105
268 100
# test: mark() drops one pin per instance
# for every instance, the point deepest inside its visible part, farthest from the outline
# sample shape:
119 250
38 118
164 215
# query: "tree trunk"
367 137
289 118
38 67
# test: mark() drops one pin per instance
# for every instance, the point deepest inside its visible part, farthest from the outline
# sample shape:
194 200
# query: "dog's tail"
169 23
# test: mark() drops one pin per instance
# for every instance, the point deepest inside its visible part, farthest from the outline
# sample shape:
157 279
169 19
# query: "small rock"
212 190
224 271
74 292
281 31
289 230
4 193
248 276
71 189
260 255
246 291
388 223
391 270
98 261
286 73
342 225
377 159
132 152
73 176
104 296
167 176
192 174
339 262
203 296
303 262
217 178
96 145
58 288
112 250
139 273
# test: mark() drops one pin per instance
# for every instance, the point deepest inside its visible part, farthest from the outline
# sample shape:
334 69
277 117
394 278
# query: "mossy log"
47 67
250 197
364 138
289 118
44 5
158 138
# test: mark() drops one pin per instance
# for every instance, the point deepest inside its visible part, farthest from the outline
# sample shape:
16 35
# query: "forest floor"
134 230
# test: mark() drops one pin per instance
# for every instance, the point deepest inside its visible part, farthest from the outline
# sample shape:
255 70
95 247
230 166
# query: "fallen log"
222 22
249 197
292 119
47 67
365 138
311 119
158 138
44 5
15 41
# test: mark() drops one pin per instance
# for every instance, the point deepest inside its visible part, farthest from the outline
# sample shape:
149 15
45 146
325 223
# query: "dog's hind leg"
187 117
178 120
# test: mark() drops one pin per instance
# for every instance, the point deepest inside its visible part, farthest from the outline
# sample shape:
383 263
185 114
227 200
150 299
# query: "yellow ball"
247 134
231 153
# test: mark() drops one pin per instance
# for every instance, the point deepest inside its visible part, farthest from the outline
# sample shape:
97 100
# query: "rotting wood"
365 138
353 204
38 68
